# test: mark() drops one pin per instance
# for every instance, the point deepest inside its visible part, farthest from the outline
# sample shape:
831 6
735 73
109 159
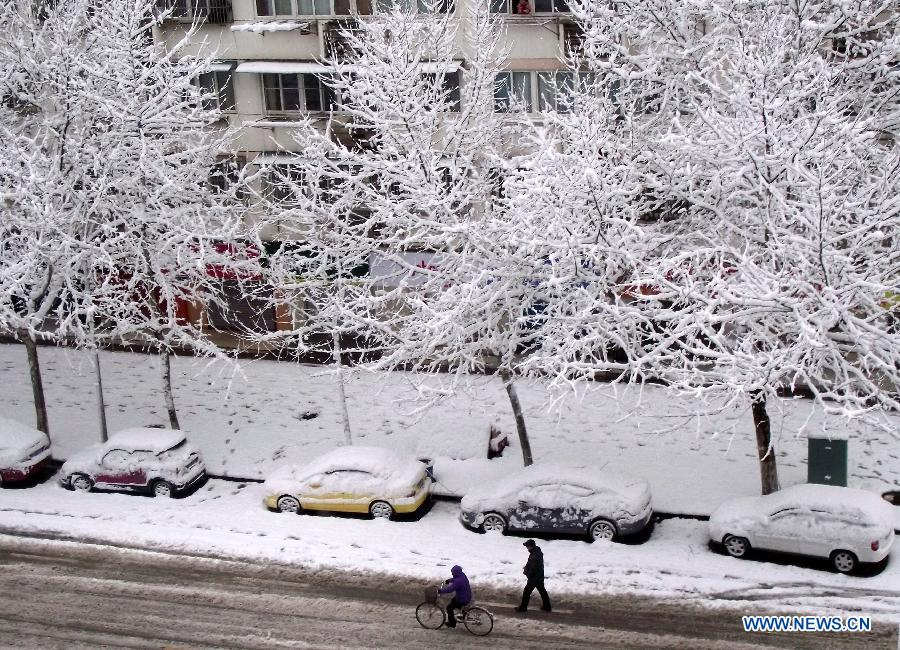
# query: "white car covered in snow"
552 498
24 451
159 461
845 525
370 480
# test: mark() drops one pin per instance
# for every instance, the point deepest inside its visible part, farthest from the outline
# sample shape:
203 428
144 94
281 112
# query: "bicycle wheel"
479 621
430 616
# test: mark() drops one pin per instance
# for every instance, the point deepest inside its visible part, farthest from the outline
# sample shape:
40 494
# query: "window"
420 6
448 86
117 459
285 183
303 7
297 92
218 90
556 90
512 91
214 11
274 8
551 6
515 7
225 175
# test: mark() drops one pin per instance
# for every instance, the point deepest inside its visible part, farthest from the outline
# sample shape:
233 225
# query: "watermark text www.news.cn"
807 623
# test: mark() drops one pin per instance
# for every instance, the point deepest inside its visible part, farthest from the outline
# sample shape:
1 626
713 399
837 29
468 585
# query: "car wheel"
602 529
81 483
844 561
163 489
288 504
381 510
493 523
736 546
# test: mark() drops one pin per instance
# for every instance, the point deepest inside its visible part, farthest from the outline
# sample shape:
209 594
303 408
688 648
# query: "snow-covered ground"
228 519
248 423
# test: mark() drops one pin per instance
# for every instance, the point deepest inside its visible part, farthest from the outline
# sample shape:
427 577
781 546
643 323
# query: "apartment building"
269 66
269 54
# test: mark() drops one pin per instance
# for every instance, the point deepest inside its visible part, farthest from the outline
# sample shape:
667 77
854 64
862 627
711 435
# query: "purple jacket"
459 585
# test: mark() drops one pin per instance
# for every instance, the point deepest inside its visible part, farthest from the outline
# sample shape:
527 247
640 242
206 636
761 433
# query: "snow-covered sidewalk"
228 519
249 423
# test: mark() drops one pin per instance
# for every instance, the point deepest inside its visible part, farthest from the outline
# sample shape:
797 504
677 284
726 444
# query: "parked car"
552 498
351 479
845 525
24 451
159 461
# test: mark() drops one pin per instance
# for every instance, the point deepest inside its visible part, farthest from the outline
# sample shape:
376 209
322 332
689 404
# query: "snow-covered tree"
44 161
411 158
113 222
172 217
768 137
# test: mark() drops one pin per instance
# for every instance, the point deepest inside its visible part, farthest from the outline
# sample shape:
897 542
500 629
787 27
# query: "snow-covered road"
83 596
228 520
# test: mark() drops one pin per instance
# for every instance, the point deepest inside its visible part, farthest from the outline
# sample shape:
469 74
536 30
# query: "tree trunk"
768 469
37 384
517 414
166 369
345 414
101 404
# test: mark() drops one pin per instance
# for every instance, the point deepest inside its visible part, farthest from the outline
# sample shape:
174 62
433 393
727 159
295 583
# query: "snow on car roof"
145 439
847 503
16 434
395 472
555 474
375 460
835 499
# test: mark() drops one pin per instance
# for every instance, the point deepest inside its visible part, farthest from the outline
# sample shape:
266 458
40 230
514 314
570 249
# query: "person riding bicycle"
462 593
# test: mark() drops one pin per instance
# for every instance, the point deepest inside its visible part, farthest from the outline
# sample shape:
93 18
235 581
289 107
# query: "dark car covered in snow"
24 451
551 498
158 461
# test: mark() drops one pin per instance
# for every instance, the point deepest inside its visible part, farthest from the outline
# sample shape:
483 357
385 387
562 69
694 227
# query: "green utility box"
827 462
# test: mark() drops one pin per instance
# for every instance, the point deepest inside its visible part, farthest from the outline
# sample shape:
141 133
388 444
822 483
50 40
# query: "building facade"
269 53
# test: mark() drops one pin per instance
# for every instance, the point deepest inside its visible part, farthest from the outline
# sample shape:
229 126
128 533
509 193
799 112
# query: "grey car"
560 499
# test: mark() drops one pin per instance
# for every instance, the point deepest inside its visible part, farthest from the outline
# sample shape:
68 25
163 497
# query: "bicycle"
431 615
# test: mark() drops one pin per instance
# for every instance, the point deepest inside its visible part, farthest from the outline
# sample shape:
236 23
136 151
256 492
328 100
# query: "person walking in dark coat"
462 593
534 572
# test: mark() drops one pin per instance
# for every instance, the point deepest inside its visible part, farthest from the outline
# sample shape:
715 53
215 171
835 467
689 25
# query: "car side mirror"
315 485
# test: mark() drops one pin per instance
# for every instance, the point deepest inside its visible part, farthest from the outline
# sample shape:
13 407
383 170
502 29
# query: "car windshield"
173 452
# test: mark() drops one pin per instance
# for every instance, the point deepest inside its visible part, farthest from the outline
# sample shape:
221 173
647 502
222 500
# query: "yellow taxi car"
370 480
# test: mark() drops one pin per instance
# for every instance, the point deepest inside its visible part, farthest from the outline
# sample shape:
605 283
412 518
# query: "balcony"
215 12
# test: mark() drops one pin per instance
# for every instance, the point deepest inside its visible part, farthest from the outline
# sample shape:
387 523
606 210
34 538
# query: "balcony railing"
217 12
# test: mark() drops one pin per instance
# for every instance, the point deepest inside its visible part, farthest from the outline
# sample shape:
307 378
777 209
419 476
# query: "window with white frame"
297 92
528 7
217 89
512 92
554 90
306 7
539 91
